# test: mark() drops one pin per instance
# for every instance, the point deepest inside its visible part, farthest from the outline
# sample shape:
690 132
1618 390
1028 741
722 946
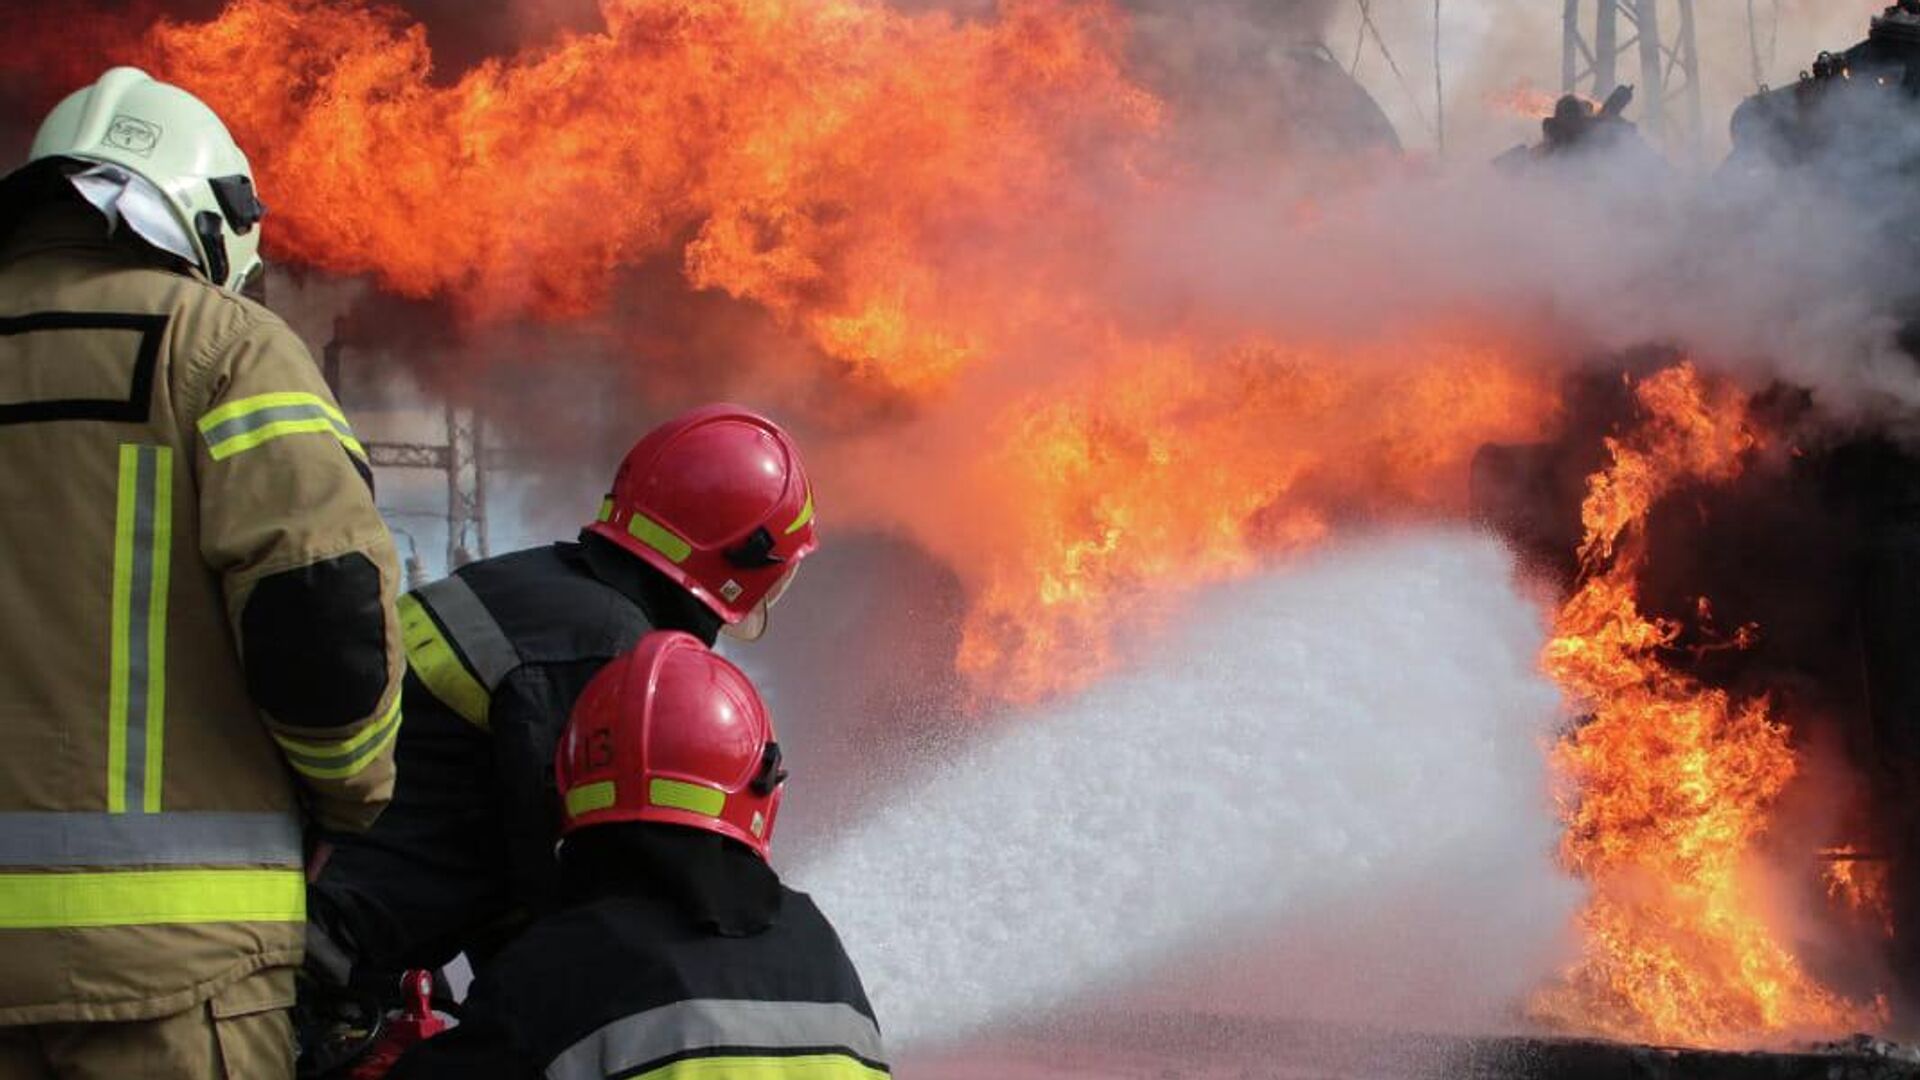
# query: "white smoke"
1348 754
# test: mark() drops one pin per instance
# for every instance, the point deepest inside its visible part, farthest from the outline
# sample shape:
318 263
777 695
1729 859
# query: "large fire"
811 156
923 201
1183 469
1670 783
925 204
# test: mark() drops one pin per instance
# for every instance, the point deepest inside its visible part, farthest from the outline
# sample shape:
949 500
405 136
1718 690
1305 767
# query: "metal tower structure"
462 458
1598 33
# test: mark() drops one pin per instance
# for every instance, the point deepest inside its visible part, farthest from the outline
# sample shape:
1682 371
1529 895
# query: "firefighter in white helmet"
198 651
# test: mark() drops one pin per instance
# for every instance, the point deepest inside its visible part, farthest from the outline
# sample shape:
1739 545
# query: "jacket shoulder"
552 608
217 333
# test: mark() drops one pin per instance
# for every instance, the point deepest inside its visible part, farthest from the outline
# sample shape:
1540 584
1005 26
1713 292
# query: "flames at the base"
1669 783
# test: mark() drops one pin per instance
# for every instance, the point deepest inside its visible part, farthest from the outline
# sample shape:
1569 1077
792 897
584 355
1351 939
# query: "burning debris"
1671 783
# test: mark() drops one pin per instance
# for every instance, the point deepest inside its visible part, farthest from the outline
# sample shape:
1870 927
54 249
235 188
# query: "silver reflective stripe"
248 423
139 626
136 697
175 838
712 1023
473 629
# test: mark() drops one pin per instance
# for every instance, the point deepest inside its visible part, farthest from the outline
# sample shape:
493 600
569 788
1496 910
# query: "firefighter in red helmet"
678 951
708 518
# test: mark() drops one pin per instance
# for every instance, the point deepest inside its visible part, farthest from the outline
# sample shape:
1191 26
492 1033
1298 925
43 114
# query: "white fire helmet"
173 140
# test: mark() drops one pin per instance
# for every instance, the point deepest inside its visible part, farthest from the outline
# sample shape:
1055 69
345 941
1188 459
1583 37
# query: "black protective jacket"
683 957
497 654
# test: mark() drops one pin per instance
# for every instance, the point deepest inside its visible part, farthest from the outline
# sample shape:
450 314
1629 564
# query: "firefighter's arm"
529 713
287 520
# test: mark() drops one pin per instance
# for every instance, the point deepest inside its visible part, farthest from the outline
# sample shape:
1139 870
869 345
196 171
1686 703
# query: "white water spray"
1369 720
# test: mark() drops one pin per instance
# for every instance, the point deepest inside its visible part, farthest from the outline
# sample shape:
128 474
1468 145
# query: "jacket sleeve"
287 521
529 713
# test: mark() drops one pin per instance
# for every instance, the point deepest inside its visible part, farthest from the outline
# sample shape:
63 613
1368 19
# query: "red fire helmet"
671 732
717 500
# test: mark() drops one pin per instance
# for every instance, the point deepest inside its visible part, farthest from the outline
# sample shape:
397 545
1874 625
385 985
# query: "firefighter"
679 952
199 637
709 516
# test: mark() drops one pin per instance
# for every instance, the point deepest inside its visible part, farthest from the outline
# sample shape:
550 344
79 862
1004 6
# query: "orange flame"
876 181
1184 469
1861 884
807 155
1669 783
1525 99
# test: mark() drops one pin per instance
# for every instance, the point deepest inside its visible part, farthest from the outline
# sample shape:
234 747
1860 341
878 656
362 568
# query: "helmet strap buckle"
755 552
207 224
771 775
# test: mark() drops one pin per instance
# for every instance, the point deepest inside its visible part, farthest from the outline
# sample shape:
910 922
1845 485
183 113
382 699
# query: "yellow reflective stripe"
234 410
137 651
122 601
354 742
606 510
438 666
684 796
655 535
588 797
150 898
346 758
806 515
241 425
803 1067
157 627
229 447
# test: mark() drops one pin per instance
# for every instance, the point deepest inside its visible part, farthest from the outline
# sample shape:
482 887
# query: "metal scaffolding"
1597 33
464 458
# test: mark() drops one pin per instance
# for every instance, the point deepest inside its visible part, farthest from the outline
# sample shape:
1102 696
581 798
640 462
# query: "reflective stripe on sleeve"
137 686
252 421
473 628
456 647
349 757
51 901
676 1035
790 1067
433 659
179 838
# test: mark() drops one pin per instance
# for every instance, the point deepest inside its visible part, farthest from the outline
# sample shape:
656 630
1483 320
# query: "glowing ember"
1669 783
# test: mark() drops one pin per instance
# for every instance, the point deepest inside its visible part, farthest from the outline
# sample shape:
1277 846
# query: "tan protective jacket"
165 448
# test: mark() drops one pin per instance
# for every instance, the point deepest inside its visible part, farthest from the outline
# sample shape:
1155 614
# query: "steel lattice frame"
1597 33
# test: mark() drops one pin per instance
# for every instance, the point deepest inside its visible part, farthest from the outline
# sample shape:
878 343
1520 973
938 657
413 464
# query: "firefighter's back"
198 594
148 827
625 985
